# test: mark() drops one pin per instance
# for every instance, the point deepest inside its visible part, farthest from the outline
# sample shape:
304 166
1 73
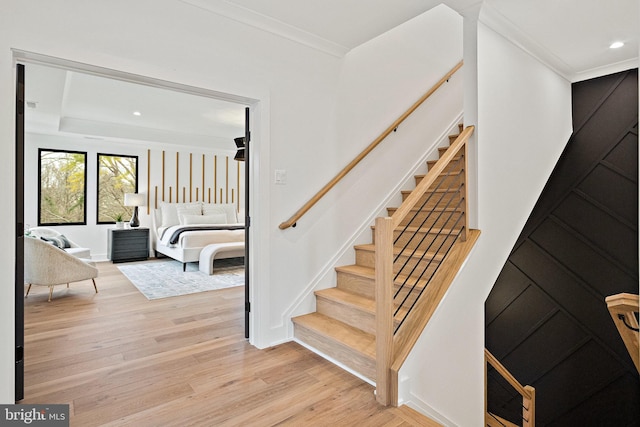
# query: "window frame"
98 155
84 207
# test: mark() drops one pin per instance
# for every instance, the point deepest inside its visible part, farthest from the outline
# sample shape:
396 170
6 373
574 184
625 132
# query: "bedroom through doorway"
62 113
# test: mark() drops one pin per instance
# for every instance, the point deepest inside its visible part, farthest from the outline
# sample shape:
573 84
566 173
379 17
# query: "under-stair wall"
524 121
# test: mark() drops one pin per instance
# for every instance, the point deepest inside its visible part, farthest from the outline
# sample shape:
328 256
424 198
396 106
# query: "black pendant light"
240 146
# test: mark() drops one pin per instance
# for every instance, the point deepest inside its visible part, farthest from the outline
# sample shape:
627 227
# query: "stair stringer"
326 277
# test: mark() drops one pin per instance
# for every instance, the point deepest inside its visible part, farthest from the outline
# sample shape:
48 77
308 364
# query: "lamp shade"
134 199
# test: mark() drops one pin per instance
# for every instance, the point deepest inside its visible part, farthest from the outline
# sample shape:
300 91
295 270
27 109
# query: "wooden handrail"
622 308
324 190
431 176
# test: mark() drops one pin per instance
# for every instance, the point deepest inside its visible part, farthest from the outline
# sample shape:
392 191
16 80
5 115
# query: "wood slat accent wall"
157 179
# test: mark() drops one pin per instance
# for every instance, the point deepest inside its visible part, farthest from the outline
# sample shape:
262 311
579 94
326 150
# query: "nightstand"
129 244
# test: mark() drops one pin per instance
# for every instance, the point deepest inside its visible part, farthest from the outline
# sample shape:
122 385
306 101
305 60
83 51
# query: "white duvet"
199 238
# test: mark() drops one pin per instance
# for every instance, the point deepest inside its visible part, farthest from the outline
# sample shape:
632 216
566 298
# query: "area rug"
165 278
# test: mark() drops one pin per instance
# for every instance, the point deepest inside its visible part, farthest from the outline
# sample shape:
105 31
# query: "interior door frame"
247 224
19 242
256 105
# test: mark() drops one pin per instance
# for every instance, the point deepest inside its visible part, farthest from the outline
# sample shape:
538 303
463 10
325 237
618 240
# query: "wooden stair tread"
433 162
402 278
348 298
370 273
439 190
339 332
442 150
414 253
429 230
357 270
448 174
426 230
353 301
435 209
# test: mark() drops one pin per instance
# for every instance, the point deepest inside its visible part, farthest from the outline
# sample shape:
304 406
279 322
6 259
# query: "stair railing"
528 394
623 309
408 254
292 221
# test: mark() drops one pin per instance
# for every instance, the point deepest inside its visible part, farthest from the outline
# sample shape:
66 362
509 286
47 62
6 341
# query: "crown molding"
492 18
606 70
265 23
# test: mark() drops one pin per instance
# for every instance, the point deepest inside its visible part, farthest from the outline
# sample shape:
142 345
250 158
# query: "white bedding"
190 243
200 238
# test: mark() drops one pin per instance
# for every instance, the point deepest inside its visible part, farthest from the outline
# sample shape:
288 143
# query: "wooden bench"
210 252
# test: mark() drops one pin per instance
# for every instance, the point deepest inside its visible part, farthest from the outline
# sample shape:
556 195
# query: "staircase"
344 324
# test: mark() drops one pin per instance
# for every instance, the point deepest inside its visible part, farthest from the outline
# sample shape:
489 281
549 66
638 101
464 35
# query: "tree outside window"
117 175
62 187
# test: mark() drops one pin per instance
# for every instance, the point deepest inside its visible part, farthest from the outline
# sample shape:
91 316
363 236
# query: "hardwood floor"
120 360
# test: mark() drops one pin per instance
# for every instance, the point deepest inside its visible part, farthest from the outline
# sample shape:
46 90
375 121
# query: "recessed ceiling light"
137 113
616 45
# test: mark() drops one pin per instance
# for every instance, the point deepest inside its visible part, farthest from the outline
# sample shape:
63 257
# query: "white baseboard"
426 410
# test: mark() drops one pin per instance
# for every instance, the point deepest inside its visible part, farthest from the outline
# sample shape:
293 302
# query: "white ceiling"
68 102
571 36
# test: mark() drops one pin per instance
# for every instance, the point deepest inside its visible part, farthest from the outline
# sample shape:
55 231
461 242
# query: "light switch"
281 176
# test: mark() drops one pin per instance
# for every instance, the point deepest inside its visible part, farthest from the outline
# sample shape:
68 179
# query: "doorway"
29 59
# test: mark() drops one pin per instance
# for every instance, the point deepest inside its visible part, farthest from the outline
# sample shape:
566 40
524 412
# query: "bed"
182 230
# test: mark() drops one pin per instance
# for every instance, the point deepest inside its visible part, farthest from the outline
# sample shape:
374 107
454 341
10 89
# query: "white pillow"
187 219
188 210
228 209
170 212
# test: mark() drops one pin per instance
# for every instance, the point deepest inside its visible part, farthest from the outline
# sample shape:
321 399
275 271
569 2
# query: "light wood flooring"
120 360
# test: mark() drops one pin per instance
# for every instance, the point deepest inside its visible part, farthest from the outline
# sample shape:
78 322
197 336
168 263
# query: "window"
117 175
62 187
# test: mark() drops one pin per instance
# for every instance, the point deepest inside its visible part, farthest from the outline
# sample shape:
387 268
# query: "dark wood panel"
583 259
501 296
621 198
503 400
575 380
569 293
614 405
579 245
560 336
588 145
613 237
588 94
624 156
518 320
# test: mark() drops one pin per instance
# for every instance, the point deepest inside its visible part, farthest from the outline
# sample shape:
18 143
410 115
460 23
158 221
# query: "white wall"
94 236
302 121
379 81
524 122
295 87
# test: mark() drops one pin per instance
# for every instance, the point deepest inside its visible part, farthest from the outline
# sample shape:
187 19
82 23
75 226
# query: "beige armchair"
74 249
47 265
